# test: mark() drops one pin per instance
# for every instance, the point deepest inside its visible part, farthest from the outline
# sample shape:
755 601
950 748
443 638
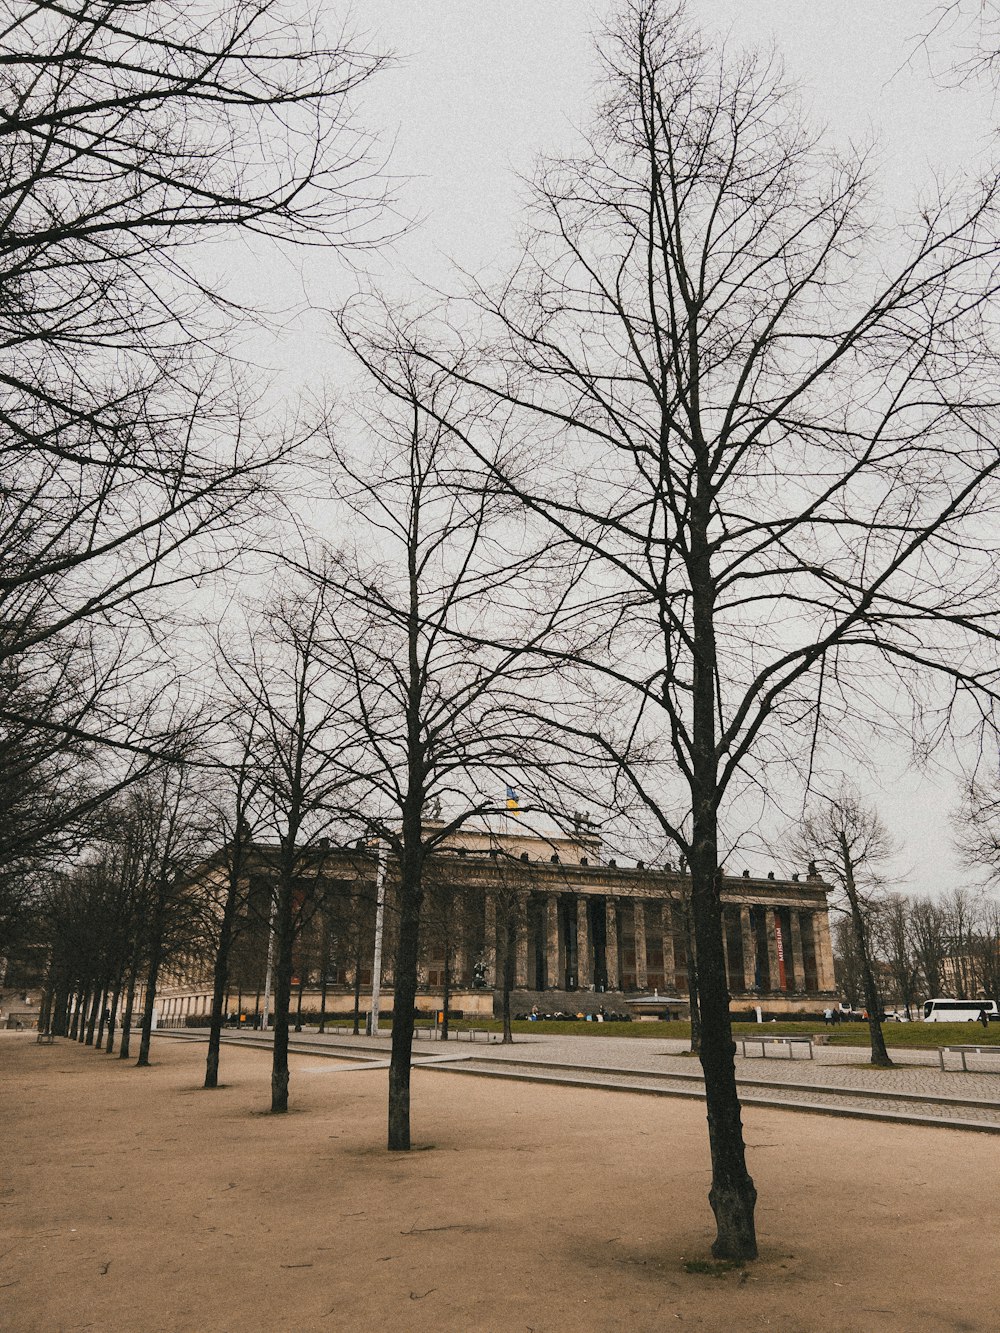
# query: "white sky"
482 85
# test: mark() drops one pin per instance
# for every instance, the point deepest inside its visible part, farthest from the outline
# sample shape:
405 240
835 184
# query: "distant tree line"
947 945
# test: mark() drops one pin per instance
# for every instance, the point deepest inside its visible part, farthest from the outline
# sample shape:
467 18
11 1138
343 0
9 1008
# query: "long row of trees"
697 498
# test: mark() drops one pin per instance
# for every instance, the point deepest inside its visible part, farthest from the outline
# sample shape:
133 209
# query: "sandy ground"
132 1200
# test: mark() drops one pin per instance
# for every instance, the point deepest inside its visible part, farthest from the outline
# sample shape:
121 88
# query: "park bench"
790 1042
43 1039
968 1050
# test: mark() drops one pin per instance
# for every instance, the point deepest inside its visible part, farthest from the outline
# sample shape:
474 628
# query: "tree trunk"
149 1002
103 1016
116 999
880 1056
153 973
123 1049
95 1007
324 969
45 1008
284 935
732 1196
692 982
405 985
220 981
78 1013
60 1018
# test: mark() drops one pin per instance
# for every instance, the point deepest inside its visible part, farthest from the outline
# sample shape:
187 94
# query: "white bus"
958 1011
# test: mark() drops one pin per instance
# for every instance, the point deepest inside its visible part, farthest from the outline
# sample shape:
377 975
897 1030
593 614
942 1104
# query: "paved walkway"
839 1080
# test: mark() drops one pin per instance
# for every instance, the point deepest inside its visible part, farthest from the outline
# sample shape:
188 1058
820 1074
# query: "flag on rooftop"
512 802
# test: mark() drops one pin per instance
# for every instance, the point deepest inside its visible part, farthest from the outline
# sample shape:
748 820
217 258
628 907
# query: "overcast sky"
481 87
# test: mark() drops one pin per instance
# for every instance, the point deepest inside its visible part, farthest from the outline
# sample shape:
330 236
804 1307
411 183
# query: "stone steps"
560 1001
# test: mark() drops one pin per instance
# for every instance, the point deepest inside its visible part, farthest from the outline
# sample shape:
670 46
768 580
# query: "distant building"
588 933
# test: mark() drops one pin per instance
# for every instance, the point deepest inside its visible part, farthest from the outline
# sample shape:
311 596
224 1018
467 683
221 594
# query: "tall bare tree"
769 425
296 700
433 697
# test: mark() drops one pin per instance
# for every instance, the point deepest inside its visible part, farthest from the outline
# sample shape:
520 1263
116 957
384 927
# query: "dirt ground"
132 1200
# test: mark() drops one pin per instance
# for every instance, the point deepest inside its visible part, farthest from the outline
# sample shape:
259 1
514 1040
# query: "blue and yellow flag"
512 803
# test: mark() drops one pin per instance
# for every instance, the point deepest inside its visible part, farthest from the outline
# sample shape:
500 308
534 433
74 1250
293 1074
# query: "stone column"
639 910
824 950
553 978
389 934
749 948
797 973
521 949
611 949
584 977
669 963
490 940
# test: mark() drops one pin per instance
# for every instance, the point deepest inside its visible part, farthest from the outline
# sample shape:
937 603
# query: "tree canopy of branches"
125 134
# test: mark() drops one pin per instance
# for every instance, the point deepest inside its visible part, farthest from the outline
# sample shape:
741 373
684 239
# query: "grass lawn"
923 1036
913 1036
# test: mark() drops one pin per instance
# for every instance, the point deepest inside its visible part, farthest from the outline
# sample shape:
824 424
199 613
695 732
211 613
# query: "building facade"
586 934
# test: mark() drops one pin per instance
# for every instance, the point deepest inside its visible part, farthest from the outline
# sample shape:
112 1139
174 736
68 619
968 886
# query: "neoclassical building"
587 932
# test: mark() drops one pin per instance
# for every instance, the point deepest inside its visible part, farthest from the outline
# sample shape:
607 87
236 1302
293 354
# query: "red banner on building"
782 981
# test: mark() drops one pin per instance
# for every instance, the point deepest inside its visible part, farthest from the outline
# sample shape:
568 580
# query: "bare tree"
169 811
986 948
433 696
53 778
848 843
445 928
847 962
297 702
235 808
510 896
769 429
977 829
897 946
928 937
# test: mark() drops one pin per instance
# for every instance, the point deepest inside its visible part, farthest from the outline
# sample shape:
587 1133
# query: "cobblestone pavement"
837 1077
838 1080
